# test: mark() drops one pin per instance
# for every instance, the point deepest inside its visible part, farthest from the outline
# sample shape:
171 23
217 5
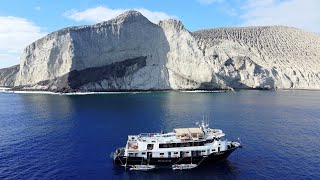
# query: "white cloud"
207 2
295 13
15 34
101 13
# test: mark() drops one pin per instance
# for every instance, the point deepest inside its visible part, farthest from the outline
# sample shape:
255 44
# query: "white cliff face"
8 75
128 36
131 53
264 57
185 62
46 58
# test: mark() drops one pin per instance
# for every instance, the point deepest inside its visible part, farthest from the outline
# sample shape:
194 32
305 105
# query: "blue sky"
22 22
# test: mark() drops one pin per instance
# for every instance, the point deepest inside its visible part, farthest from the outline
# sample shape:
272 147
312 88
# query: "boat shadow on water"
222 168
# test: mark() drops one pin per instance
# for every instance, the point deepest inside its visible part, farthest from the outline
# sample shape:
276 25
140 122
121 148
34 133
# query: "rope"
120 160
125 166
178 161
201 160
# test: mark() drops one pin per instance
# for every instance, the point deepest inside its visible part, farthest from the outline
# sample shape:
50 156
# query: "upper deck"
178 135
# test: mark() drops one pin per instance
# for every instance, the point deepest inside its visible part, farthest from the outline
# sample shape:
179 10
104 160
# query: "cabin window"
175 152
203 151
150 146
174 145
143 153
209 141
163 145
130 154
213 150
153 141
161 154
189 144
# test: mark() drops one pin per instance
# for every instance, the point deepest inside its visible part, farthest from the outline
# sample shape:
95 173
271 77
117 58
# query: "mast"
204 125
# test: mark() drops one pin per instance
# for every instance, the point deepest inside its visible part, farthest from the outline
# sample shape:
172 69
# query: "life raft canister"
133 145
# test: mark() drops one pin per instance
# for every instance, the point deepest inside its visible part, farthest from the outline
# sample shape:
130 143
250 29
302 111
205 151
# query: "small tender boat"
142 167
183 166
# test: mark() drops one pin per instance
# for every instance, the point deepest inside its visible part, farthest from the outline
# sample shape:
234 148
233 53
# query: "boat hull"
122 160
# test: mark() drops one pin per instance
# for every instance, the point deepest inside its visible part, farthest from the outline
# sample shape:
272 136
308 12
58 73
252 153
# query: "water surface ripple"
71 137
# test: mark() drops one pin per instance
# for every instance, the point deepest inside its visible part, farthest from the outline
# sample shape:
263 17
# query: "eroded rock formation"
8 75
131 53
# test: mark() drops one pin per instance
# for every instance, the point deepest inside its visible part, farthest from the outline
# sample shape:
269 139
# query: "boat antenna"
206 119
212 117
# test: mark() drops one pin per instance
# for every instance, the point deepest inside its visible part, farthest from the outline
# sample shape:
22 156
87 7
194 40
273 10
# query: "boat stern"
118 153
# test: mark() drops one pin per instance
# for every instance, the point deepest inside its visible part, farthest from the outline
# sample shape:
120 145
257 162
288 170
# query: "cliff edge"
131 53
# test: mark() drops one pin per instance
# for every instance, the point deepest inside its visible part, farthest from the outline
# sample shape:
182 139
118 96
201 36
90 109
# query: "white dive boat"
183 166
142 167
184 148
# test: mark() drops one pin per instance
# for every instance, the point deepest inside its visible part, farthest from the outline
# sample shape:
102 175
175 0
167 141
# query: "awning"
188 131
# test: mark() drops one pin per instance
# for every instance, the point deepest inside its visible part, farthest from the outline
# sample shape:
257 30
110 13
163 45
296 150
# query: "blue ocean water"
71 137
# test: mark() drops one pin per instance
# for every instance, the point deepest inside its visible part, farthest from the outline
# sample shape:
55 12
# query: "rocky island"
131 53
